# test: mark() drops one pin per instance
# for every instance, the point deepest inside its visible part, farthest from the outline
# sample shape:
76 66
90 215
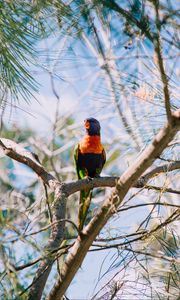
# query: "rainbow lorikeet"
90 157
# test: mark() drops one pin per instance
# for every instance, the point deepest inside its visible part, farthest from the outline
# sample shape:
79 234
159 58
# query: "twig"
120 237
158 50
169 259
143 237
108 181
146 204
162 189
16 152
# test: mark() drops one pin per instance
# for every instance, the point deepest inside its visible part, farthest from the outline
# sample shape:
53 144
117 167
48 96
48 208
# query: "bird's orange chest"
91 144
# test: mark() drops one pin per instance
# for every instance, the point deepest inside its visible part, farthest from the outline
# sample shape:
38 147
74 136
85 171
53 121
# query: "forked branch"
132 177
125 182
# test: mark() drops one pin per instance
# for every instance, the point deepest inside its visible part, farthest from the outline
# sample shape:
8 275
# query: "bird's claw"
89 178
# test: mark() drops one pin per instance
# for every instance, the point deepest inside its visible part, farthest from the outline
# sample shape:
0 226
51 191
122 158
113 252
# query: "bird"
90 157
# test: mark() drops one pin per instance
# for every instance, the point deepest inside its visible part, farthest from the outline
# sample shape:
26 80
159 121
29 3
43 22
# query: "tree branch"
146 204
126 181
18 153
167 258
155 39
129 17
173 217
14 151
56 237
162 189
108 181
158 50
63 190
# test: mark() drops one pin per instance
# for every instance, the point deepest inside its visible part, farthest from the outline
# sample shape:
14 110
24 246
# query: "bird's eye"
86 124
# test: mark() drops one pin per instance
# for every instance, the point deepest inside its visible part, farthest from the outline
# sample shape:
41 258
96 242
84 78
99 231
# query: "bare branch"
158 50
156 42
120 237
146 204
173 217
18 153
14 151
108 181
162 189
14 239
57 236
157 171
167 258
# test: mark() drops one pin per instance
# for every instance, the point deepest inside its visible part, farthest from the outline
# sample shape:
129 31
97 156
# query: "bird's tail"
85 200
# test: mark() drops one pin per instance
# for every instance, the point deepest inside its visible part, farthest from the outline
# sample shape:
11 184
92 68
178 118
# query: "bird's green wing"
80 173
84 203
76 154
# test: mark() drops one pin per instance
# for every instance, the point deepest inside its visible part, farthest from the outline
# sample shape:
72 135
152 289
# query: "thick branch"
79 250
57 236
108 181
14 151
18 153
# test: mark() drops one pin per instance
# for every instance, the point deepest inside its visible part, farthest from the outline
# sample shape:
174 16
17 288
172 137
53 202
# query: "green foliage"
22 25
166 243
16 50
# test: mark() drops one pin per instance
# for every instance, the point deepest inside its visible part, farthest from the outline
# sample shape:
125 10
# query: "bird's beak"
86 124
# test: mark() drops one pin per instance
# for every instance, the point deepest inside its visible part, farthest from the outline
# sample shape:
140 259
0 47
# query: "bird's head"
92 126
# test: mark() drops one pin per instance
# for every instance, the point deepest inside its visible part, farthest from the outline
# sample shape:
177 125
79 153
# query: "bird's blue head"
92 126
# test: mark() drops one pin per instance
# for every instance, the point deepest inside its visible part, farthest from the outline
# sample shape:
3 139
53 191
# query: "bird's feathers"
89 157
84 203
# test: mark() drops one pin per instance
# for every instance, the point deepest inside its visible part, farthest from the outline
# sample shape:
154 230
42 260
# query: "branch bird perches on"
132 177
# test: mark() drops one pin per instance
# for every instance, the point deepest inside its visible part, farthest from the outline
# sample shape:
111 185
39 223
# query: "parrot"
90 157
